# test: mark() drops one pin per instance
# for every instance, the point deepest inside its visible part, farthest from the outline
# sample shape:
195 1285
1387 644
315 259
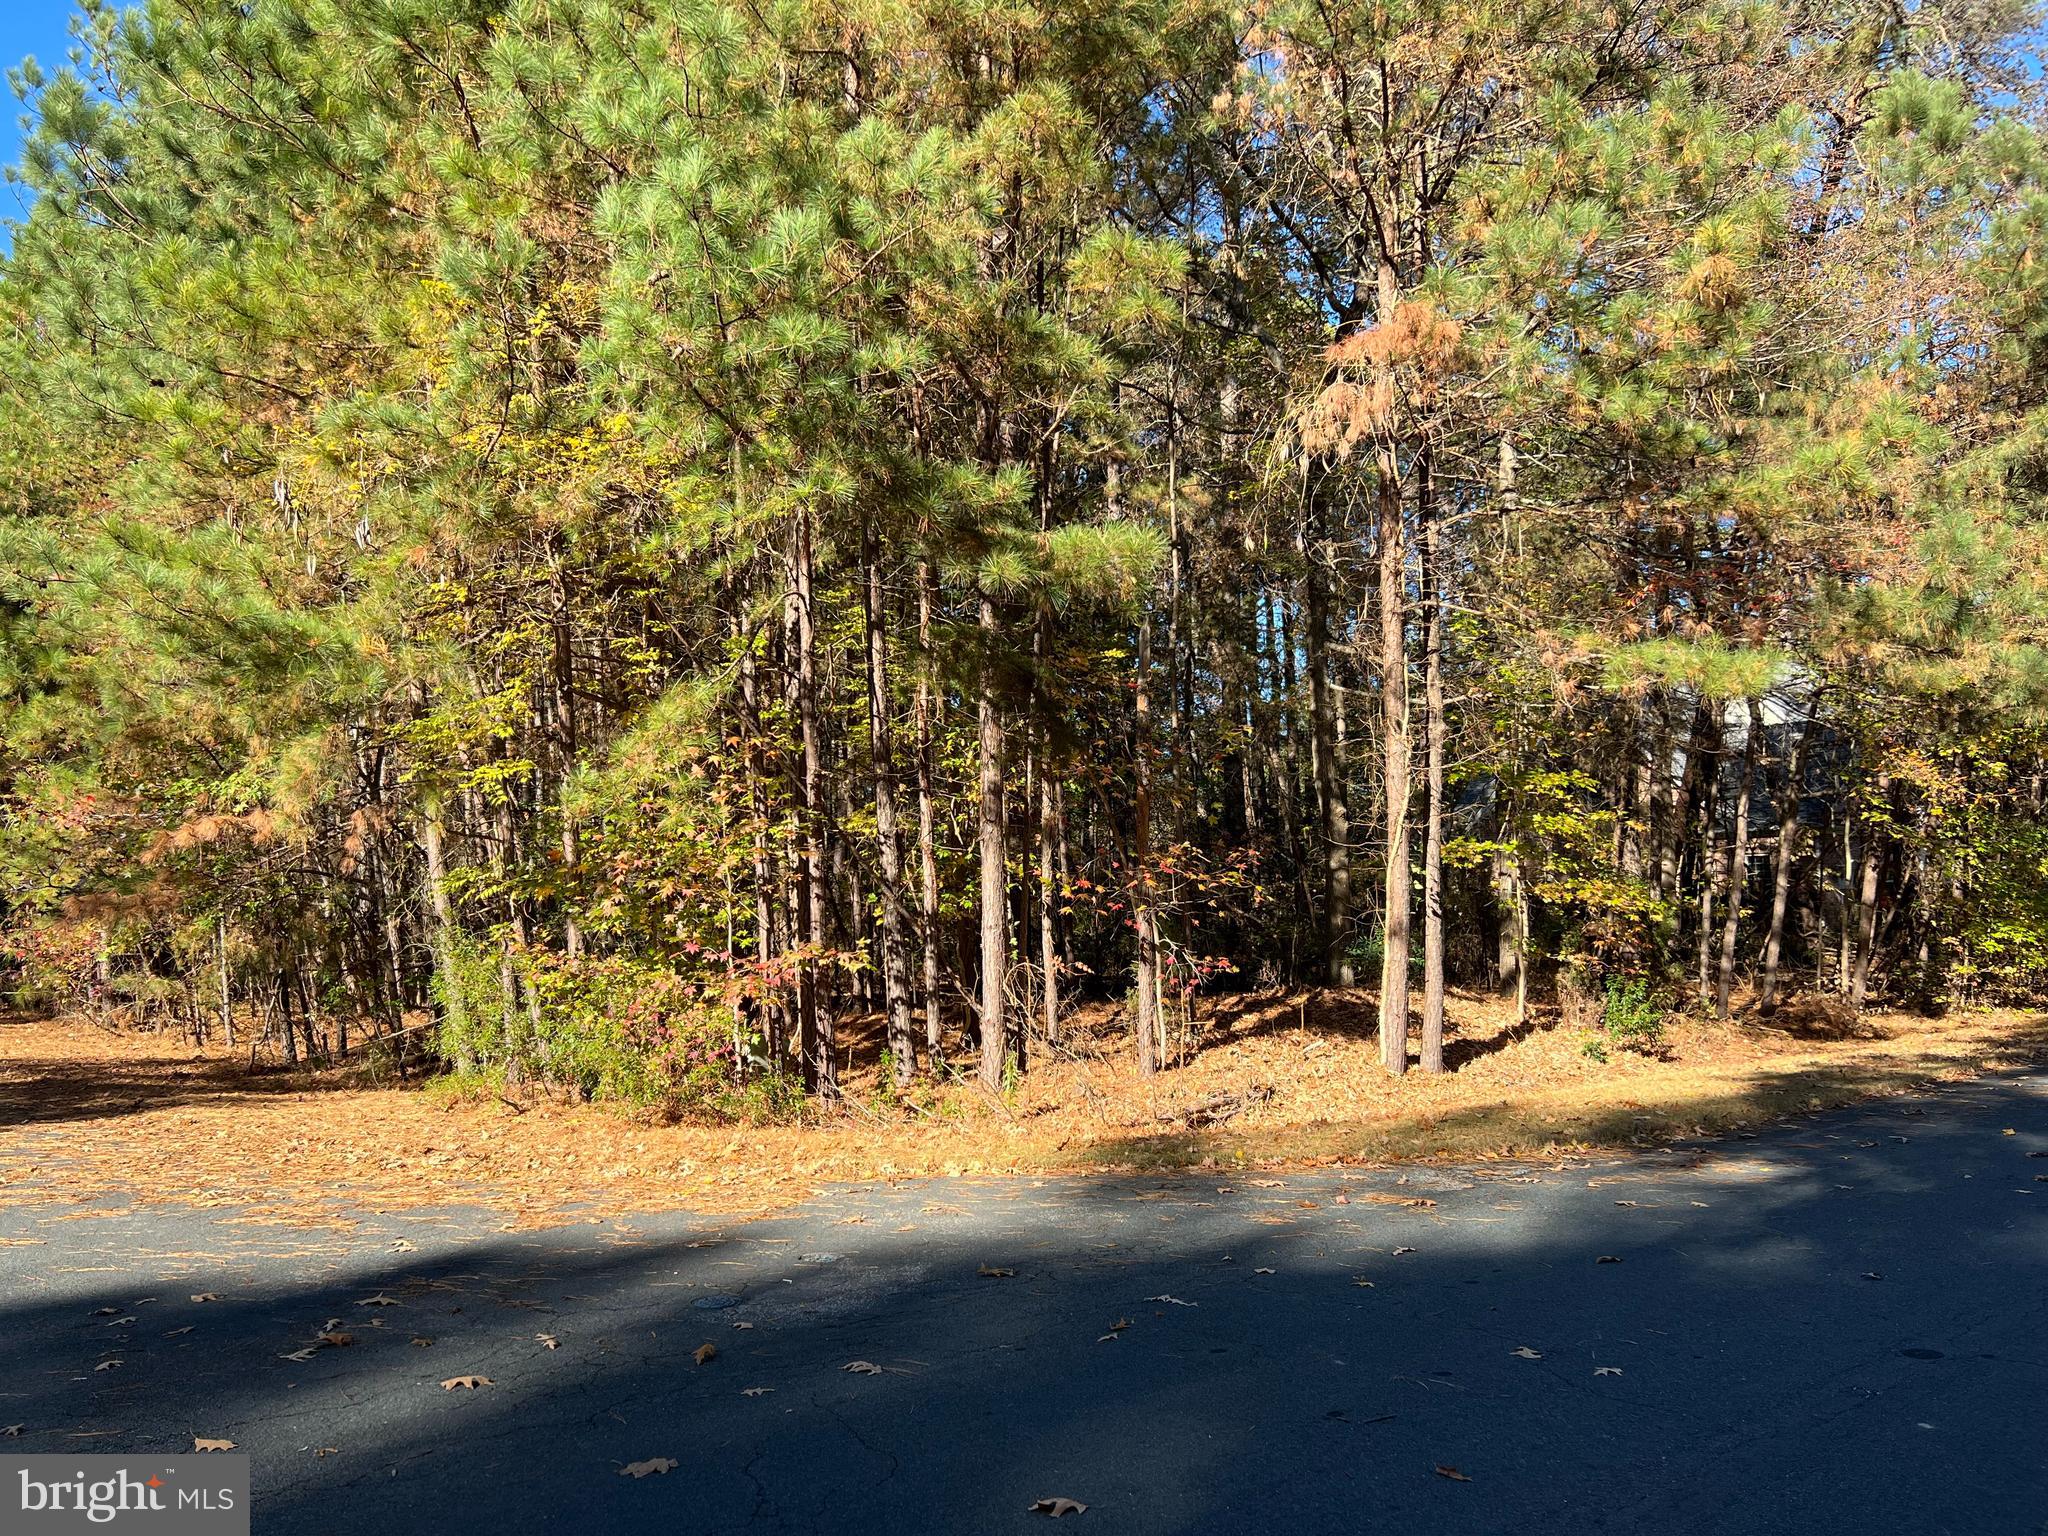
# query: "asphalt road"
1838 1326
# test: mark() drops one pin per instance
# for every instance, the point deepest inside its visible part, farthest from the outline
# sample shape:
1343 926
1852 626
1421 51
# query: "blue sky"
27 27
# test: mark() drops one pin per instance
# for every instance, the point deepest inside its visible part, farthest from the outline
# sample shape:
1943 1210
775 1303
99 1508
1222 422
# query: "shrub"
1630 1019
615 1027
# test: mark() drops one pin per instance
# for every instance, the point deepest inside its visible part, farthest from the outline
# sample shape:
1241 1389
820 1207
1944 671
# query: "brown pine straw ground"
1268 1079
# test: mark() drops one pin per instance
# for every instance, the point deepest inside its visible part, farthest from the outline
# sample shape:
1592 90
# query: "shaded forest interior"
628 549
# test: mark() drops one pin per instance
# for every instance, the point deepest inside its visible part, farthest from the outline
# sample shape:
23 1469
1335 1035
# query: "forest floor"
1264 1080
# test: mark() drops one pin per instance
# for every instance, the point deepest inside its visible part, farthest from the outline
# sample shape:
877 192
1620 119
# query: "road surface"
1840 1325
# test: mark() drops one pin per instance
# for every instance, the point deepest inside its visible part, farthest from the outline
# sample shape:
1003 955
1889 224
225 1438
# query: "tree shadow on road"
1200 1353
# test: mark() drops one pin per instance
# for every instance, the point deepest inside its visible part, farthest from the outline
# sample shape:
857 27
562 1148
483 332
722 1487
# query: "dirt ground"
1268 1079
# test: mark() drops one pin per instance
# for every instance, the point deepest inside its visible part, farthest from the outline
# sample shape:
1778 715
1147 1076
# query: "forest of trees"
641 531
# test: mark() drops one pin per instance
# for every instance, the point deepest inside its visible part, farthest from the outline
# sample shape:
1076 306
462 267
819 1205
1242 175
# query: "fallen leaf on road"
755 1391
211 1445
176 1331
988 1272
1526 1353
402 1246
1267 1183
1058 1507
1399 1251
422 1343
11 1431
1871 1274
379 1300
1607 1258
466 1383
206 1296
108 1365
1452 1473
120 1321
1175 1300
1361 1282
301 1354
110 1311
326 1450
650 1465
704 1352
862 1368
338 1340
1262 1271
544 1340
1413 1202
1606 1370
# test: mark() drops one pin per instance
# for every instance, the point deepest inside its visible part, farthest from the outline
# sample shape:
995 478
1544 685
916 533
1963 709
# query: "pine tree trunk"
1738 862
565 725
1640 849
1284 731
1523 928
1436 728
1866 914
227 1005
454 1005
1845 947
1669 802
1711 870
1506 954
821 1066
1141 859
1781 872
503 857
895 945
992 822
284 1017
769 1011
1329 775
927 819
1393 554
1049 833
